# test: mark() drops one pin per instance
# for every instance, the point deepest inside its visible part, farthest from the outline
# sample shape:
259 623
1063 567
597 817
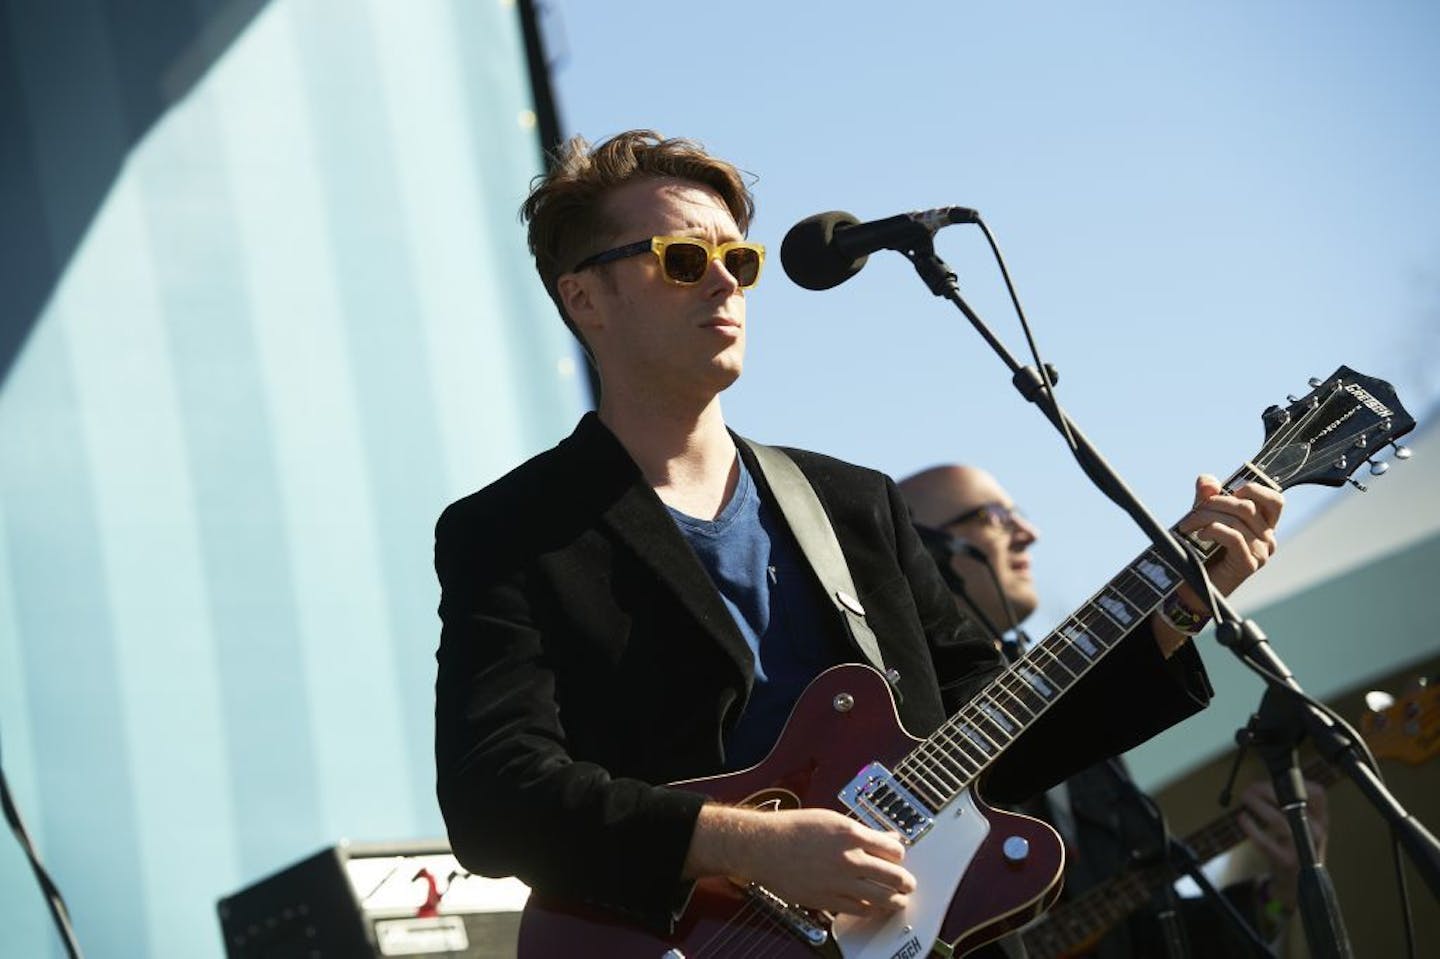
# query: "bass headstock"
1407 729
1324 436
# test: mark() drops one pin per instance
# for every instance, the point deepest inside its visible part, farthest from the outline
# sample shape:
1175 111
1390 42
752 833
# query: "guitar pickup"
881 802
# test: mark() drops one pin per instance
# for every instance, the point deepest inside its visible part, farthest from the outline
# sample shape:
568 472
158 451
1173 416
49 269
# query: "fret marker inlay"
1117 609
976 738
1155 573
1080 638
998 718
1037 682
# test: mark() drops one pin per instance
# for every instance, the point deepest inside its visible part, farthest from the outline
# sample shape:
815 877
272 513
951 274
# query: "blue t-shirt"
768 586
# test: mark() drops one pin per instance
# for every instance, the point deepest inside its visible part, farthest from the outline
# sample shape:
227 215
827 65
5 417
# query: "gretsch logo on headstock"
1369 401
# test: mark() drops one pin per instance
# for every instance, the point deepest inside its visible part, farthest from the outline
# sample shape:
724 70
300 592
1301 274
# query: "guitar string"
761 948
741 925
765 944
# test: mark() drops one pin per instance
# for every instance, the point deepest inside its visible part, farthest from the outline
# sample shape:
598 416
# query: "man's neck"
685 453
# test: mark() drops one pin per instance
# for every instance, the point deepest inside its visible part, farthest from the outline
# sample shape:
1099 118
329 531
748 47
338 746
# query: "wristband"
1274 913
1181 617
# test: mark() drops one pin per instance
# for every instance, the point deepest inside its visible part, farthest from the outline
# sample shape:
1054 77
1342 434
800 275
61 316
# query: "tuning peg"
1359 485
1342 463
1378 469
1315 381
1377 700
1278 414
1401 452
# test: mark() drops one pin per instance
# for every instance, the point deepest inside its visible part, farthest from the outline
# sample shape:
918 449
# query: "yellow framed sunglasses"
684 260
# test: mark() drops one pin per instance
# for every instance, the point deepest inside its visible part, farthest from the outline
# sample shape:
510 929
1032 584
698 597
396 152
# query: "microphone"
941 547
974 553
960 544
826 249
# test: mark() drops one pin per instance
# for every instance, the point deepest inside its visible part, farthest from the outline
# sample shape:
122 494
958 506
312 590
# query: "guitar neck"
1224 832
955 755
1071 926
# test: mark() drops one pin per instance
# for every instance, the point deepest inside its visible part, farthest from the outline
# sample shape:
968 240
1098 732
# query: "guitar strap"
807 520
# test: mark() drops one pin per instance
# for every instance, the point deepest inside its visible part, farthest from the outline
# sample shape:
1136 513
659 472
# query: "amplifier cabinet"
366 900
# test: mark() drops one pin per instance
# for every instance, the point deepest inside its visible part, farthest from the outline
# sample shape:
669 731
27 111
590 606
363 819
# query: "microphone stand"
1183 857
1285 715
1166 910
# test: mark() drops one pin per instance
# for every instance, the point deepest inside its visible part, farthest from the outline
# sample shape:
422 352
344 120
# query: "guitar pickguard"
937 862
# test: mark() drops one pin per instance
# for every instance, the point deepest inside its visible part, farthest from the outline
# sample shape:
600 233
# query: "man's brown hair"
566 210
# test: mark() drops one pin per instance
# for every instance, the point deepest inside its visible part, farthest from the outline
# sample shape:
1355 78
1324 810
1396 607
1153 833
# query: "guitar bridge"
878 799
799 922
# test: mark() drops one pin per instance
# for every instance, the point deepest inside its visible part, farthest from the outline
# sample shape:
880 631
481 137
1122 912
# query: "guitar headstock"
1407 729
1324 436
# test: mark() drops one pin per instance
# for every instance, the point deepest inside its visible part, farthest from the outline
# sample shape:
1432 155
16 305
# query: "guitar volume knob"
1015 848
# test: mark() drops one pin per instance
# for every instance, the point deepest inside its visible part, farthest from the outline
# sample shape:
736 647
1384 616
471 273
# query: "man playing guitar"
630 609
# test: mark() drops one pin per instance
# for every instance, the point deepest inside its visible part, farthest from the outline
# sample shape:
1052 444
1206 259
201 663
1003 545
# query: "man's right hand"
810 857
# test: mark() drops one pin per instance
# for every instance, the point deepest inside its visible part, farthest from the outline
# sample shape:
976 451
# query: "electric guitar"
980 872
1407 731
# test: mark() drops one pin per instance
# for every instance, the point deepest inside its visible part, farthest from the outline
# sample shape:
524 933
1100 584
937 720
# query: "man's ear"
577 297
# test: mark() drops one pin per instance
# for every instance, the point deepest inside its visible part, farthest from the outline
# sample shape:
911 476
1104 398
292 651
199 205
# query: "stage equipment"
367 900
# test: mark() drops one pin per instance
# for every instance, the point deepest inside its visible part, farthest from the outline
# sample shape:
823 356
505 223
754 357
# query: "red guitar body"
844 720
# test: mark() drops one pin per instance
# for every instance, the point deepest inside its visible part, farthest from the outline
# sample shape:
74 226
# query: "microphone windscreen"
961 545
809 257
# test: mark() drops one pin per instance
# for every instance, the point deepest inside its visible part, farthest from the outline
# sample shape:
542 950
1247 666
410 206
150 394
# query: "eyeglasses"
996 514
685 259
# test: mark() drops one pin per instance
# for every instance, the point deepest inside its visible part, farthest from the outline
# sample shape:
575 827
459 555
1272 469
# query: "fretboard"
957 753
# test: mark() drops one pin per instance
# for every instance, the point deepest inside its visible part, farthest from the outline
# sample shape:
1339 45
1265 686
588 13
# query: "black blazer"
585 657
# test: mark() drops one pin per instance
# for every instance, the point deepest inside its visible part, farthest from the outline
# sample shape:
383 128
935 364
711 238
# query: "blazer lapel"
637 518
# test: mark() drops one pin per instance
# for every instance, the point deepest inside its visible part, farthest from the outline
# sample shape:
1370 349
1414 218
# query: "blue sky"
1202 204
